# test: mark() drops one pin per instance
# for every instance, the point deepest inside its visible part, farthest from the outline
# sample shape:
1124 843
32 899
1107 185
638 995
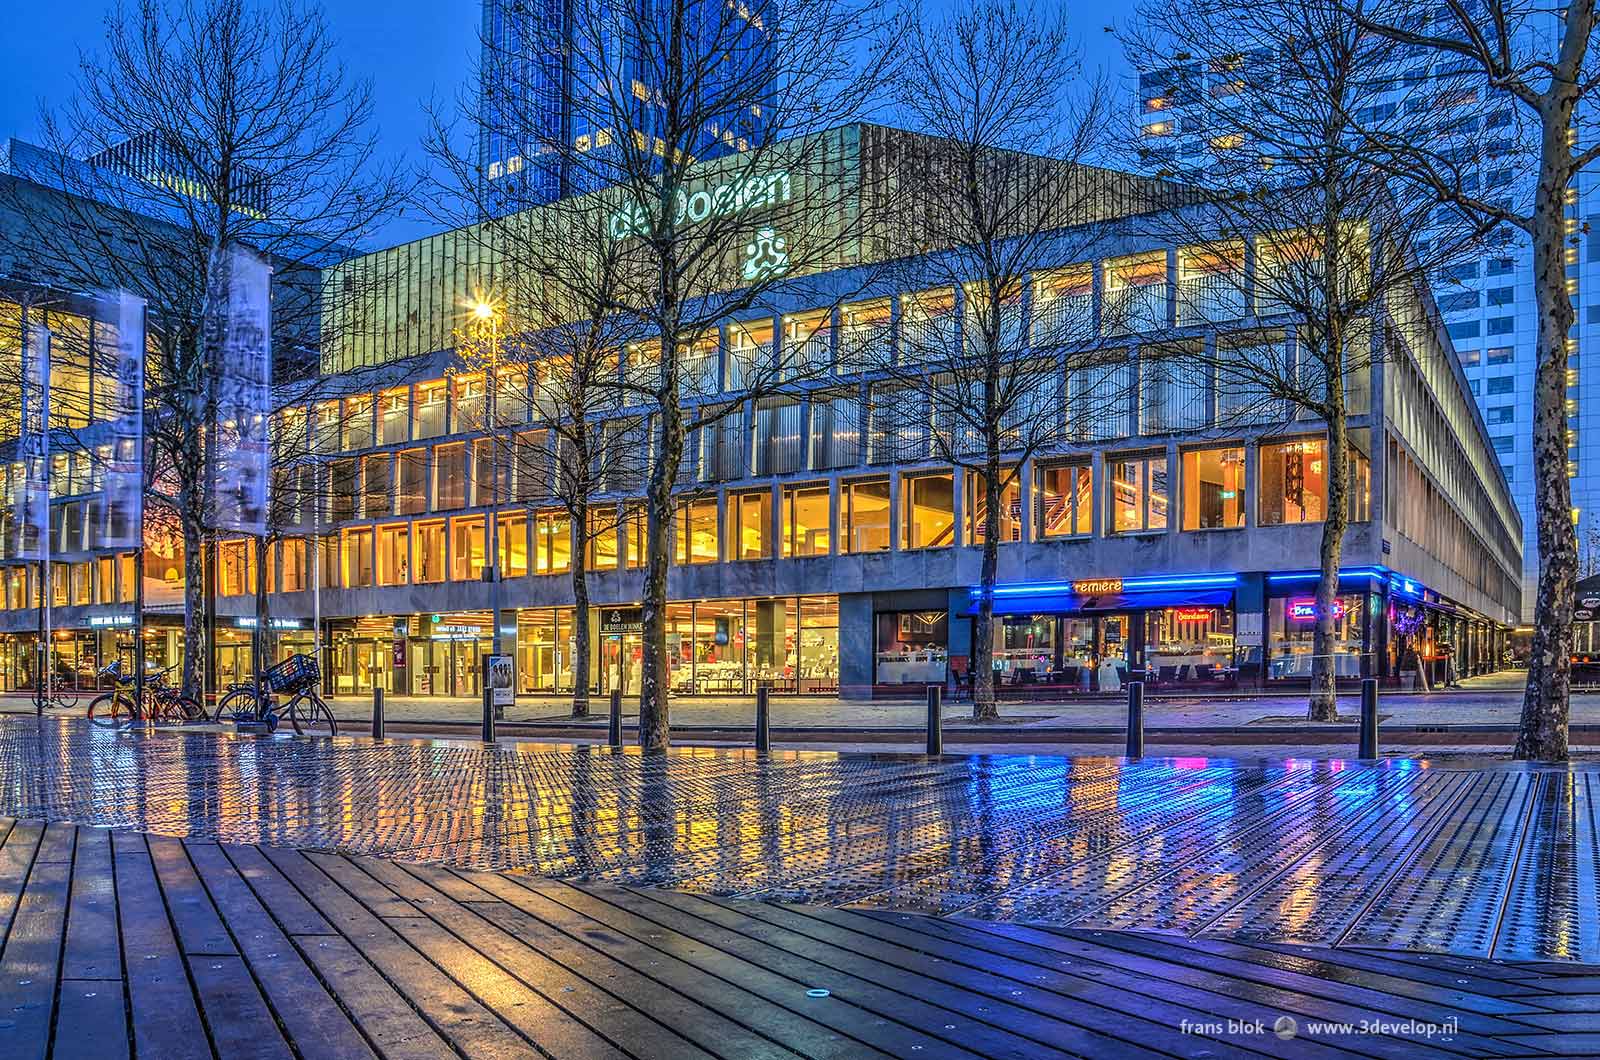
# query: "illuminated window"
552 542
513 544
1138 493
358 422
235 568
394 554
394 416
1158 128
807 527
1213 489
430 409
466 402
696 530
428 551
633 525
292 558
411 491
865 518
603 538
1010 508
467 548
450 477
1294 482
1065 499
377 485
750 525
927 511
356 550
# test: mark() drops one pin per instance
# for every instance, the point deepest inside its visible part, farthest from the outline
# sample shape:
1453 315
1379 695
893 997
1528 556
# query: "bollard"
935 721
1135 719
1369 718
377 713
763 721
614 737
487 735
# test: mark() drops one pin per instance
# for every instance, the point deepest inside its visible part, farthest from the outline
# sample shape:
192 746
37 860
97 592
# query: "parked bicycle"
297 677
119 708
60 691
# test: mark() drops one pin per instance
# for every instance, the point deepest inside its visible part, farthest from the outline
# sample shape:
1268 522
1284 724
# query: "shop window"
358 422
394 416
450 477
818 645
377 485
430 409
1213 489
696 530
1065 498
394 553
552 542
411 482
1189 646
1024 648
912 647
428 551
1010 507
357 551
633 526
603 538
292 558
466 403
1294 482
1138 494
513 544
749 525
467 548
807 528
1292 624
865 518
927 511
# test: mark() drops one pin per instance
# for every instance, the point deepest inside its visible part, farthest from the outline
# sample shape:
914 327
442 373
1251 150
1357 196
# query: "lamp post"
485 312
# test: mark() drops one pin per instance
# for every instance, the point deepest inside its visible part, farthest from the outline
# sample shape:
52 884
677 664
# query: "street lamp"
485 312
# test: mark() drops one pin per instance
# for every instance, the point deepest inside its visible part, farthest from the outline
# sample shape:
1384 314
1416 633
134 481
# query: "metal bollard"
377 713
935 721
1369 718
1135 719
614 737
763 721
487 735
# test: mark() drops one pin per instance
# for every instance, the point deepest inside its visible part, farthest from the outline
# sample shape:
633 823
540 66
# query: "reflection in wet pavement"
1491 861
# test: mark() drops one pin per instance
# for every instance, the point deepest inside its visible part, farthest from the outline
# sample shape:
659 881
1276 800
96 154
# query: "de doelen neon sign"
728 199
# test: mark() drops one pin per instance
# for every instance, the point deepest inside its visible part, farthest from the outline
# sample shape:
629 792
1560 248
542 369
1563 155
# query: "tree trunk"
984 707
1542 733
194 572
579 533
655 726
1324 702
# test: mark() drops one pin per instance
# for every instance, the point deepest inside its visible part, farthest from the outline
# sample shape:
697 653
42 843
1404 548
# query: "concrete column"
1025 497
958 479
857 645
1252 482
835 516
1174 488
894 509
775 520
1172 287
1097 502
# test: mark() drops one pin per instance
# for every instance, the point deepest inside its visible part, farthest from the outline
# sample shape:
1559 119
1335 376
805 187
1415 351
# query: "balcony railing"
1132 310
1211 299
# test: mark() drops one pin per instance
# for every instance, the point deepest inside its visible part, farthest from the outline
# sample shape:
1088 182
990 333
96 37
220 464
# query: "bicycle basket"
293 674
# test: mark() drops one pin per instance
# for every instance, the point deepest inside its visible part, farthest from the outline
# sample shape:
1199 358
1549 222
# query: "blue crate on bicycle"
294 674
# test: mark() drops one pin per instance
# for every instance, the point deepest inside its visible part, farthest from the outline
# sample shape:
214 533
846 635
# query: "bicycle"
297 677
60 692
118 709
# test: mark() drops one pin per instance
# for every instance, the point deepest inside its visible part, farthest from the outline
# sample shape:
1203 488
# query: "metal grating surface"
1490 862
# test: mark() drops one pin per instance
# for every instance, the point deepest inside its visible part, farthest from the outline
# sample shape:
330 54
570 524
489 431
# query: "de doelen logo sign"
728 199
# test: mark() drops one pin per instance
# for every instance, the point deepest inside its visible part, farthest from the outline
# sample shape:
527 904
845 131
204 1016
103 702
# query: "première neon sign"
727 199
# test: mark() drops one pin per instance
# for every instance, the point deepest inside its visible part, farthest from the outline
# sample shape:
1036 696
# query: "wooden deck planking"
117 944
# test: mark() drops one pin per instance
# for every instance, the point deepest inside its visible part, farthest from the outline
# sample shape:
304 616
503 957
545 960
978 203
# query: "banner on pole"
244 383
122 510
33 492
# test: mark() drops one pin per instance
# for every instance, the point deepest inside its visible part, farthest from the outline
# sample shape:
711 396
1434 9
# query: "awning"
1070 604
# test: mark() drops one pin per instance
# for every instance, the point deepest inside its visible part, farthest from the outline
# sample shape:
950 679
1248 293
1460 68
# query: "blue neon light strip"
1344 572
1173 581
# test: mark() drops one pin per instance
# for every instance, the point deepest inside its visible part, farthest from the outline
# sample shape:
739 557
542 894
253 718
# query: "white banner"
244 382
122 513
33 446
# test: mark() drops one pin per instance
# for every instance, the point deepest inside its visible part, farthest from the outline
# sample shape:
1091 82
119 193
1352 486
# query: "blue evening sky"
412 50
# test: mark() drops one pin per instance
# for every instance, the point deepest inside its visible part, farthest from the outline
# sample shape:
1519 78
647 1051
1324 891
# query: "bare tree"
201 126
1342 254
1540 60
980 84
709 147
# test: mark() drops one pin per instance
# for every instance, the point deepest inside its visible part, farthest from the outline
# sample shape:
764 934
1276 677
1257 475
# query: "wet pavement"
1479 858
